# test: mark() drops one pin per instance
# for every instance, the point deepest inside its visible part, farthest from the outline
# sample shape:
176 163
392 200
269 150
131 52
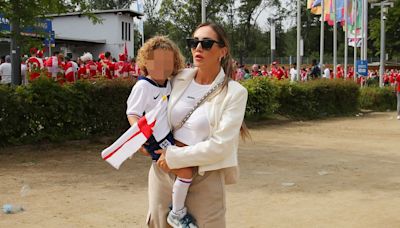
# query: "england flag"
153 123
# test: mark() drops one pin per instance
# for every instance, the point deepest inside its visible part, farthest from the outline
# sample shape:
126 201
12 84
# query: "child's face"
160 66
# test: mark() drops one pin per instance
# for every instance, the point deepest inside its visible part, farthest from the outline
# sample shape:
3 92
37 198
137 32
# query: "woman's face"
203 57
161 65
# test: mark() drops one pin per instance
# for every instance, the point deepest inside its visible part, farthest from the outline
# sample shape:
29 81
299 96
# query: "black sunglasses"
206 44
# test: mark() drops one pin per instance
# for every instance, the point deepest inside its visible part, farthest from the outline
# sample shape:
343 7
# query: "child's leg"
180 189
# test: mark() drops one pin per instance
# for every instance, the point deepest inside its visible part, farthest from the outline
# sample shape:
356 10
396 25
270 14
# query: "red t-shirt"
122 69
106 68
69 72
91 68
398 82
278 73
34 66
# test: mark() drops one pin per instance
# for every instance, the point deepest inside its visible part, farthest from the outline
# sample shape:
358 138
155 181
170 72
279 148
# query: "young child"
160 59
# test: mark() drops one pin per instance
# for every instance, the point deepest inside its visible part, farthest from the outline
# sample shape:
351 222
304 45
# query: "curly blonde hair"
159 42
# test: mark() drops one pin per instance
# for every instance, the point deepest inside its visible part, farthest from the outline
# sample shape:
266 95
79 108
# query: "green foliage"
262 97
391 29
46 111
319 98
379 99
314 99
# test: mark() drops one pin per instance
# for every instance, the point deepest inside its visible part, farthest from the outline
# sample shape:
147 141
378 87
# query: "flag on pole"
153 123
316 8
355 41
356 23
316 3
126 51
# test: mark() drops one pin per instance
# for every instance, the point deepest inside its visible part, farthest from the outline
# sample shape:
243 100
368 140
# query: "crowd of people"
65 70
279 72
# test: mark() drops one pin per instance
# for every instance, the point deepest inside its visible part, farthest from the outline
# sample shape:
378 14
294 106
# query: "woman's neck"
206 76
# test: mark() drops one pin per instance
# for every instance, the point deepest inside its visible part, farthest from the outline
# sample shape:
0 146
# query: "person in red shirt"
264 70
34 65
392 77
107 66
398 95
135 70
81 69
70 70
350 73
277 72
91 67
122 67
340 71
55 67
255 71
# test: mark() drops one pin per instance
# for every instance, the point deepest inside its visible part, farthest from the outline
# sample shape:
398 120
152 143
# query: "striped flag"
153 123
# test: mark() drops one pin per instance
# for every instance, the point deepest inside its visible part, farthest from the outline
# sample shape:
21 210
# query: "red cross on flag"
154 121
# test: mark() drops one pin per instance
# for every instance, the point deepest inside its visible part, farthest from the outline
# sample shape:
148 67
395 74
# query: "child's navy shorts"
152 145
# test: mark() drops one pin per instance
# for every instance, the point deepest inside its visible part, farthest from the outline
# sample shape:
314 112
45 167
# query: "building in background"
74 33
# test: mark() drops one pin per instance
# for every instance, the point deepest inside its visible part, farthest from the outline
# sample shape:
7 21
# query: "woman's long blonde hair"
226 64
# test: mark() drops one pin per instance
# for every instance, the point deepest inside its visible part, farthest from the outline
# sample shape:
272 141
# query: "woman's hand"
162 163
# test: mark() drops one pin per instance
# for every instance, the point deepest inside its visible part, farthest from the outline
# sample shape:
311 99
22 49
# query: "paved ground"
343 172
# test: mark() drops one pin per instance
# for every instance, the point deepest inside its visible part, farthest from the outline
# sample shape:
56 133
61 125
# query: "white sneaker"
187 221
398 117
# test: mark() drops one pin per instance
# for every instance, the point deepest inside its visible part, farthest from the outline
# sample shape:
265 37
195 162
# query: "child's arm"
132 120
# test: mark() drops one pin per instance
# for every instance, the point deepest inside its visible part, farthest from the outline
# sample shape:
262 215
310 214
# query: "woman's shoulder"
236 87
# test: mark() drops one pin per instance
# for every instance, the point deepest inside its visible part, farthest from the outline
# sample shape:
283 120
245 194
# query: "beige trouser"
205 200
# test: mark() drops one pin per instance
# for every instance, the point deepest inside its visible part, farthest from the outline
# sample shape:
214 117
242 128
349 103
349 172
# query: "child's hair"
159 42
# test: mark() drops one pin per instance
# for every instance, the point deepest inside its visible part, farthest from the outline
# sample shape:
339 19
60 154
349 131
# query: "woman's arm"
220 144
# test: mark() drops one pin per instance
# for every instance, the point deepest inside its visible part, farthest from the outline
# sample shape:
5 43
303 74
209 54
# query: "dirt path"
342 172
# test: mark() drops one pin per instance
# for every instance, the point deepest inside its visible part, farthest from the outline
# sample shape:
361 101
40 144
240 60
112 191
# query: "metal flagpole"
382 62
362 31
298 60
334 39
321 43
365 21
203 11
355 39
273 39
346 14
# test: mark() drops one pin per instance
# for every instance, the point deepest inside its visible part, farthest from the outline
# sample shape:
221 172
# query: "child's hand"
162 163
143 151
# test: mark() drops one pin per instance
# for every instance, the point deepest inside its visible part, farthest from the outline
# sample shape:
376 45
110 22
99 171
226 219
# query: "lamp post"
384 8
203 11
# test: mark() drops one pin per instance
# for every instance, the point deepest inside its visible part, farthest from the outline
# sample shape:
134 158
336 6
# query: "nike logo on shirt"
156 96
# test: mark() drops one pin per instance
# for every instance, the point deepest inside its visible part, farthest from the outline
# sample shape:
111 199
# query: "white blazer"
225 113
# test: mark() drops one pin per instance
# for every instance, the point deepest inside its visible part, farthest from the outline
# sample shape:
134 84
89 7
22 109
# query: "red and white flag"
153 123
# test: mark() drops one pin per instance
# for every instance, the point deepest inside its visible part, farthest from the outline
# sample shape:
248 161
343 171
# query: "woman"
208 140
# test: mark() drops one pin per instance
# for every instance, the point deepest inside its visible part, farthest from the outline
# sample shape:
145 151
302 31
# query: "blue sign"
4 24
50 40
362 67
42 26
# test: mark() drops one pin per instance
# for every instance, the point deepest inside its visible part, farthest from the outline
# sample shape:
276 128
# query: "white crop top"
197 127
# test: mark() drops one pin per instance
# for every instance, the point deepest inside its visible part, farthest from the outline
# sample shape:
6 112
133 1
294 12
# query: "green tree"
392 30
